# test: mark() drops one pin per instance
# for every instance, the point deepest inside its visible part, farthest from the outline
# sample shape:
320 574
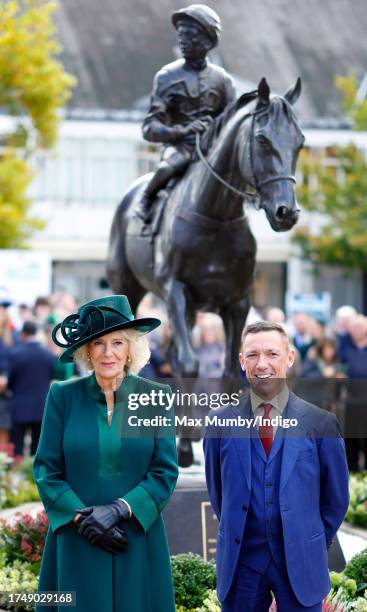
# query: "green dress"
81 461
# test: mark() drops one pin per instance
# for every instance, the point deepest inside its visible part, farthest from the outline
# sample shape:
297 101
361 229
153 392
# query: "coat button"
237 540
244 508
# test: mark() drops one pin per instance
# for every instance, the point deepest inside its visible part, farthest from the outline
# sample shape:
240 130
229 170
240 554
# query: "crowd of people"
28 364
330 368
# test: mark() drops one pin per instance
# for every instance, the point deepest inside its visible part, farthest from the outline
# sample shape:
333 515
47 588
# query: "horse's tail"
116 251
116 264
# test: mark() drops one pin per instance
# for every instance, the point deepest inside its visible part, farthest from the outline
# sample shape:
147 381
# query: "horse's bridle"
252 195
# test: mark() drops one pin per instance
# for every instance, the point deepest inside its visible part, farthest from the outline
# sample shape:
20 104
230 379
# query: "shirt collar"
279 401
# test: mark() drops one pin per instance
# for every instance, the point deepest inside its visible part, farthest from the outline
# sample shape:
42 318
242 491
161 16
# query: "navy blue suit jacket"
31 369
313 493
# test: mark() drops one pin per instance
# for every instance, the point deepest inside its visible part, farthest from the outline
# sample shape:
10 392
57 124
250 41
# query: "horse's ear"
294 92
263 91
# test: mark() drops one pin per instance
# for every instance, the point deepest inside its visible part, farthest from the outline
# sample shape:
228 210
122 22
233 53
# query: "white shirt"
278 402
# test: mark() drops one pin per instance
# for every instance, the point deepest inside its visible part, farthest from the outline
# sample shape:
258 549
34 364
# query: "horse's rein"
243 194
257 184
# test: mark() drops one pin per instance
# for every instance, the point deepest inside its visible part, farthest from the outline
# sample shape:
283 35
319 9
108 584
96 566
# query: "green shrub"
193 578
357 569
357 509
23 493
25 468
16 482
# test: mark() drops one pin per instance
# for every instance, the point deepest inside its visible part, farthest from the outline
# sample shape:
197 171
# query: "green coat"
82 461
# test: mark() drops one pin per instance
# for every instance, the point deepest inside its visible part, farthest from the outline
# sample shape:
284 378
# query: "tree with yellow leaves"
33 88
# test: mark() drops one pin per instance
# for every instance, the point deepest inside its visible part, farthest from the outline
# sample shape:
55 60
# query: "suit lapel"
276 446
292 438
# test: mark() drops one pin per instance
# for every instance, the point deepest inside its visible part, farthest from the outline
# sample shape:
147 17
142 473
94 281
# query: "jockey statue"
187 95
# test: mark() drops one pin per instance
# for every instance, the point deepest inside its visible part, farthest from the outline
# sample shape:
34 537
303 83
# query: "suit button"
237 540
244 508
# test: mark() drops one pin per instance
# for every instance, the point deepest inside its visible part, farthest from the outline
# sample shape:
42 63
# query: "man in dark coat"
187 95
31 369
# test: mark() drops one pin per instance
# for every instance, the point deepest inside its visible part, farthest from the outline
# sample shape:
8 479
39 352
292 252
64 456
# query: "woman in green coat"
105 476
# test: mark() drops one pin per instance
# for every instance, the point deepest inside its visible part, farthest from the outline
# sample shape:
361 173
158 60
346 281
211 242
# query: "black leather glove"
96 520
114 540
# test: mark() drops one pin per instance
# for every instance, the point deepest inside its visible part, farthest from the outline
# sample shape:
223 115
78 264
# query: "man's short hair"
29 328
266 326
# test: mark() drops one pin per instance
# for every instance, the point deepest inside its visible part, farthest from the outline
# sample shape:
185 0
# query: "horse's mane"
276 105
219 122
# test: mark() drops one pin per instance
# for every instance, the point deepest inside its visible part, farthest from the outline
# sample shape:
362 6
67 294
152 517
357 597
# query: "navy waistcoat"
263 535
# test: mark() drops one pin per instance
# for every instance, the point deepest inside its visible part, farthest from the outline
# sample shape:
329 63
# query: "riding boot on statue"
187 95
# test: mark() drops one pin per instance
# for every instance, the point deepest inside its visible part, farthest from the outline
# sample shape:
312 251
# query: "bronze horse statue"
203 255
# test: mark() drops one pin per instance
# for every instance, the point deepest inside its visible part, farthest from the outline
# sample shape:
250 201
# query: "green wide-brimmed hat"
96 318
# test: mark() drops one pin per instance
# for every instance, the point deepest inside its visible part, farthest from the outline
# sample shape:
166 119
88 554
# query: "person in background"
42 311
62 303
159 340
8 338
273 314
352 351
322 375
209 337
31 369
322 361
302 338
342 317
25 313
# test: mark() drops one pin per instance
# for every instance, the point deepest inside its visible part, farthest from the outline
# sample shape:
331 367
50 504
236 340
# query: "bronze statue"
187 95
201 255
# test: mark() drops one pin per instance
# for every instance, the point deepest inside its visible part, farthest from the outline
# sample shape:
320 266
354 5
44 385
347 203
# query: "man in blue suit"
280 493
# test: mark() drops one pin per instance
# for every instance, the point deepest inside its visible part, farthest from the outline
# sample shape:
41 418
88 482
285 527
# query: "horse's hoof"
196 434
189 371
184 454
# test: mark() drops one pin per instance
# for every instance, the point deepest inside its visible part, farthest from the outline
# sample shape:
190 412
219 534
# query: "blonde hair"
139 351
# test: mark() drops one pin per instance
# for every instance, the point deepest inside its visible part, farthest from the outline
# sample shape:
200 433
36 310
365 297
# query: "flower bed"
21 546
22 543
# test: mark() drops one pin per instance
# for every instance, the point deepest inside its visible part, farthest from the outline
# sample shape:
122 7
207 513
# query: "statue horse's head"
271 154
